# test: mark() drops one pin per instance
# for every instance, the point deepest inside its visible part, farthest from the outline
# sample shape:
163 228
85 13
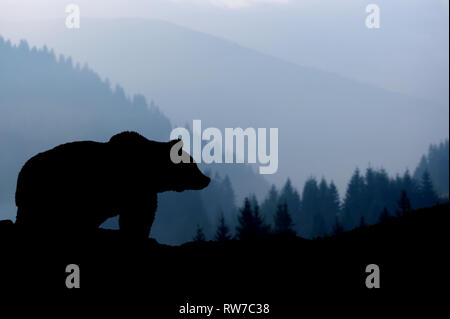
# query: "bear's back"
59 173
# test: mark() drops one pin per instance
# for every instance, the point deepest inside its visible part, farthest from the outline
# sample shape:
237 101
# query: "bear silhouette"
73 188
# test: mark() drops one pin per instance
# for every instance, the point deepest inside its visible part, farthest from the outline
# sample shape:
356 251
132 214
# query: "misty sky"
412 57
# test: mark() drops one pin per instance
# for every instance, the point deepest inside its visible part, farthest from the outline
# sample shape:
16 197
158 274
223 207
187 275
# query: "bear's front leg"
136 220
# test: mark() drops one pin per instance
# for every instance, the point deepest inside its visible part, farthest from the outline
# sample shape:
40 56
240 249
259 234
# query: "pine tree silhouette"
333 203
362 222
199 235
310 207
337 227
250 223
428 195
260 227
269 205
291 197
245 219
319 226
436 162
404 205
385 215
283 220
354 201
223 232
409 185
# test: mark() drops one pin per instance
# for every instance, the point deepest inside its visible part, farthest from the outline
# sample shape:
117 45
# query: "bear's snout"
206 181
201 182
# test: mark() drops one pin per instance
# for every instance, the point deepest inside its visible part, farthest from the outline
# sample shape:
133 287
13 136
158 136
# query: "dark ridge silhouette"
290 273
73 188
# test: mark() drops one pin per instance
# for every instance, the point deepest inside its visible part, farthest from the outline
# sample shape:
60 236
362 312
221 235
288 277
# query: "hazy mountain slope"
408 54
328 125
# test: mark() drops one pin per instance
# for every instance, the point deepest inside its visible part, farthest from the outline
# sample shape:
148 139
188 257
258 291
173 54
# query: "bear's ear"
126 137
176 152
173 142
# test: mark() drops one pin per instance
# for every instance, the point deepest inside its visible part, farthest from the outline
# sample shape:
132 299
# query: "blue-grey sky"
409 54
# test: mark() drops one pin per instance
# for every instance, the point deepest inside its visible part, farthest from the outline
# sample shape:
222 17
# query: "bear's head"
183 170
164 166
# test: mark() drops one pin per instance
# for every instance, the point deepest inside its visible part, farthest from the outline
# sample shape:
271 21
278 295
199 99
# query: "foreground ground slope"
287 272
